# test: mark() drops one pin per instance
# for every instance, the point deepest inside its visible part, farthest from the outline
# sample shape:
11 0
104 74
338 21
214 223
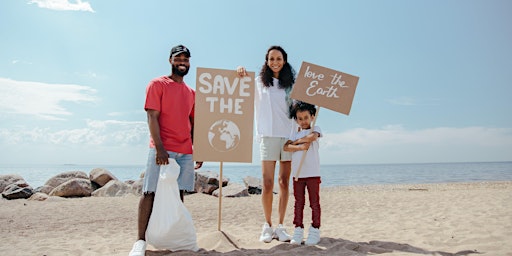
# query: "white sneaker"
298 235
313 236
139 248
281 234
266 233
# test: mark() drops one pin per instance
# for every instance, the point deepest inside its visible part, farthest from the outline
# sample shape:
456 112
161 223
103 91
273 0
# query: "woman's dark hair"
299 106
286 75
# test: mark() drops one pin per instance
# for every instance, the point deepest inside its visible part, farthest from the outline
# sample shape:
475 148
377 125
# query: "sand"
432 219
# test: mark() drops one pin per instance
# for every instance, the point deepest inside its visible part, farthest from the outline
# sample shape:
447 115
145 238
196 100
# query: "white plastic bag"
170 226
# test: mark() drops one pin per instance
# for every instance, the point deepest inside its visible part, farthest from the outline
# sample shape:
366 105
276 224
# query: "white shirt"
311 165
271 111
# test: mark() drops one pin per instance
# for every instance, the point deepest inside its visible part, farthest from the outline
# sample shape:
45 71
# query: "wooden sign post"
326 88
223 123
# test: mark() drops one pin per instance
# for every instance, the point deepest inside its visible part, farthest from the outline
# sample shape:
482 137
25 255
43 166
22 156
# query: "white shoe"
281 234
139 248
313 236
298 235
266 233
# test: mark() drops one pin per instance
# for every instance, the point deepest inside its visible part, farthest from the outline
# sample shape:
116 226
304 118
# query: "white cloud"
40 99
117 141
89 74
114 114
18 62
135 112
63 5
106 133
403 101
107 142
394 144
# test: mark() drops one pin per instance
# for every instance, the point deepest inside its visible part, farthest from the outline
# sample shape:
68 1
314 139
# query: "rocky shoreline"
102 183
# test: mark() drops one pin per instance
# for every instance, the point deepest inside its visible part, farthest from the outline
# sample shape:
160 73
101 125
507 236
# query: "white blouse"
271 111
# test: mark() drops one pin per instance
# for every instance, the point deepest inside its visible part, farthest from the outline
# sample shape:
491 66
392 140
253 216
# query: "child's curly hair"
301 106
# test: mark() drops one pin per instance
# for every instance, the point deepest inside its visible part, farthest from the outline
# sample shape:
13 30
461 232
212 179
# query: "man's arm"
162 157
198 164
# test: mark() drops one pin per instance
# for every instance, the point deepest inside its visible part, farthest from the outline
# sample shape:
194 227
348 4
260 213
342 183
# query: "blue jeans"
185 179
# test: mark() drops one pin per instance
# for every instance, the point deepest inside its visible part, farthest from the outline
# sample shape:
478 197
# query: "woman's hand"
241 71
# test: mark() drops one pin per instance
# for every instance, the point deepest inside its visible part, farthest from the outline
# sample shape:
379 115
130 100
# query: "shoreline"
405 219
332 175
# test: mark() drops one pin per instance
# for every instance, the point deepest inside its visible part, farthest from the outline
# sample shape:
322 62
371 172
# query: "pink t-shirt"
175 101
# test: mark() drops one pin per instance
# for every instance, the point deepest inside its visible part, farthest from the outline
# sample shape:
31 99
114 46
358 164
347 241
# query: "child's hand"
305 145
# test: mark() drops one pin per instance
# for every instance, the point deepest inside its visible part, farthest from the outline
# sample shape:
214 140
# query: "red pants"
299 192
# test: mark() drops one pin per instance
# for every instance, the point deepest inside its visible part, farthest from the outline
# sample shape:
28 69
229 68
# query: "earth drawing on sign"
224 135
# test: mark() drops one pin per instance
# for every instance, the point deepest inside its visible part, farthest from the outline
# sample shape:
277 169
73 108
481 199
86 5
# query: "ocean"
332 175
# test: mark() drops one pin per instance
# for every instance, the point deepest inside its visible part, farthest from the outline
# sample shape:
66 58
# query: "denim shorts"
185 179
271 149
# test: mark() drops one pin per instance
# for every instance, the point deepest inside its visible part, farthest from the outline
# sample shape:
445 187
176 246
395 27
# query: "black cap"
178 49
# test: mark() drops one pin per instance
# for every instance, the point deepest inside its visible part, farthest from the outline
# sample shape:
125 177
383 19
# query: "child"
305 141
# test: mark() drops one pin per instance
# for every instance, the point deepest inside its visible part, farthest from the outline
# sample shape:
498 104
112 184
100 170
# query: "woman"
273 127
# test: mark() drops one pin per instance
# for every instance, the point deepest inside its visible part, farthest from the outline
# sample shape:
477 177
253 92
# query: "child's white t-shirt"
311 165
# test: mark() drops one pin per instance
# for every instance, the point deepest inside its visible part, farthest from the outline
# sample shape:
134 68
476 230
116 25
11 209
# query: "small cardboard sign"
223 123
325 87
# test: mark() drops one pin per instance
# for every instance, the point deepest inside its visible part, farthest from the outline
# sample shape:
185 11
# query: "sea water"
332 175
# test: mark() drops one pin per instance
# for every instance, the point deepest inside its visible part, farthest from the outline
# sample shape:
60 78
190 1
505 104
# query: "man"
170 111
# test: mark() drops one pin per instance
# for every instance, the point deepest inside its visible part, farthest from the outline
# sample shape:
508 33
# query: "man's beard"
177 71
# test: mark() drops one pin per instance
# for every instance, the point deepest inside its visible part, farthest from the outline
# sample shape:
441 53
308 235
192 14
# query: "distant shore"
438 219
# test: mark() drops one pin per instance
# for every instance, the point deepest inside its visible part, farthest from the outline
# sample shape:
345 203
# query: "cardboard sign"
325 87
224 112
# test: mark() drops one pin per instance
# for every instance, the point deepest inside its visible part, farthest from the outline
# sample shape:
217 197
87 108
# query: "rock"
58 179
77 187
137 187
44 189
205 188
55 199
8 179
38 196
253 185
113 188
232 190
101 176
14 191
94 186
207 181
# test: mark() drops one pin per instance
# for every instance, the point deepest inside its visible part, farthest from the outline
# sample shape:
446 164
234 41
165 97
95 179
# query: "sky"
435 77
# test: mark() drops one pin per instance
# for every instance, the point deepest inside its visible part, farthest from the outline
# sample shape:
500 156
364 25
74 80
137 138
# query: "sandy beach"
419 219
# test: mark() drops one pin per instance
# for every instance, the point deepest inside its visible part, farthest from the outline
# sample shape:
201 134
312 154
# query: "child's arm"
292 146
308 138
300 144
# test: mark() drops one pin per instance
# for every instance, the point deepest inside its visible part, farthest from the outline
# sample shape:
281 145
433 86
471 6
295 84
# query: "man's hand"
198 165
162 157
